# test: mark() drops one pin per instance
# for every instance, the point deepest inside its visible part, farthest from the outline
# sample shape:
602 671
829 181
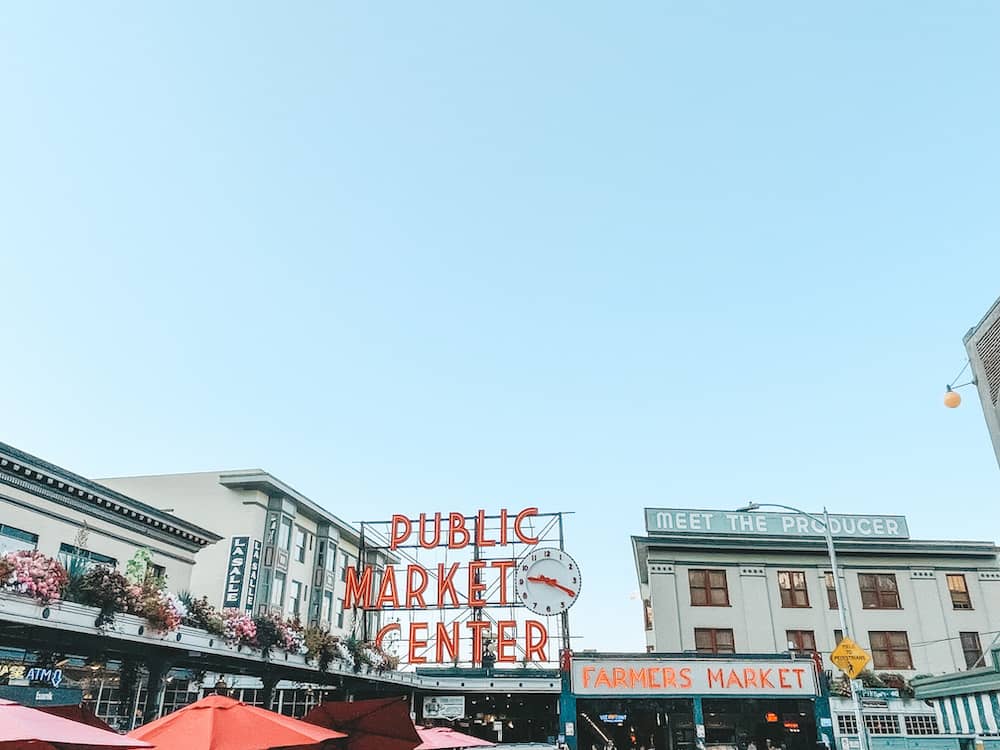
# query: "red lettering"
653 677
782 674
504 643
481 540
422 524
446 584
387 593
618 677
503 566
385 631
799 672
401 529
750 677
669 677
734 679
358 592
456 531
477 627
443 642
685 677
587 673
533 647
415 591
475 585
715 676
765 678
524 514
637 676
602 678
503 528
417 643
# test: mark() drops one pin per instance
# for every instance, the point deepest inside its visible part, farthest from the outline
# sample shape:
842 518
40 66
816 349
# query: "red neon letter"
504 643
417 643
387 593
446 583
503 527
532 646
456 531
437 531
481 539
477 627
475 587
503 566
358 593
526 513
414 591
442 641
384 632
401 528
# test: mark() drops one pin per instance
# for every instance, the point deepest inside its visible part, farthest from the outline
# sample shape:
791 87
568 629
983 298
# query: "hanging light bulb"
951 398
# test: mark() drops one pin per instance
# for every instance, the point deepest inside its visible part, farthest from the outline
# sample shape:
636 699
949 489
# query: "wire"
955 379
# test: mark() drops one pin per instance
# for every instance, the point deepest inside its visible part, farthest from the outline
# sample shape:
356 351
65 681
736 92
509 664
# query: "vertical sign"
235 572
252 570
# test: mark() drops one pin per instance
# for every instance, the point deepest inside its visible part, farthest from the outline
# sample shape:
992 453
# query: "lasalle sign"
505 563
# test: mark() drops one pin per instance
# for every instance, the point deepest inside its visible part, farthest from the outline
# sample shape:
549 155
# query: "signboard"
730 677
673 521
253 570
47 675
444 707
850 658
883 694
235 571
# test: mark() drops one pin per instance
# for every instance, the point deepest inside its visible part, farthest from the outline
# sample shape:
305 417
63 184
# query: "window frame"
91 557
299 551
788 593
706 588
295 598
285 539
831 591
28 541
920 725
965 605
967 650
890 650
714 637
281 596
797 636
880 593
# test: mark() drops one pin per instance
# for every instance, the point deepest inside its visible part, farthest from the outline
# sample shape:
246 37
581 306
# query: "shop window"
802 641
91 557
278 589
708 588
971 648
14 540
285 534
847 724
882 723
831 592
250 696
647 608
959 591
794 592
300 544
714 641
296 703
921 724
879 591
890 649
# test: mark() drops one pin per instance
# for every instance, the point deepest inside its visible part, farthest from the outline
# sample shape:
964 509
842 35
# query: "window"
331 558
878 591
890 649
13 540
714 641
278 589
801 640
971 648
92 558
326 615
708 588
647 608
792 584
157 571
300 544
340 613
831 592
650 649
348 561
847 724
295 598
284 533
921 724
959 592
882 723
838 636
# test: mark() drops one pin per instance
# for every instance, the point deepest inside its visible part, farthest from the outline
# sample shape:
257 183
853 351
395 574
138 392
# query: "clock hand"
551 582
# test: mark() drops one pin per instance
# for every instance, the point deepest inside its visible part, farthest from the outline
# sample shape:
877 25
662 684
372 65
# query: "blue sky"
414 257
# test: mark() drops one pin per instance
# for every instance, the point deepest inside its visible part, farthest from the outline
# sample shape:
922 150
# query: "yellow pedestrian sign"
850 658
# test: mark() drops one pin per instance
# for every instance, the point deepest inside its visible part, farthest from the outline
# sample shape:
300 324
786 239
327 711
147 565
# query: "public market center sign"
674 521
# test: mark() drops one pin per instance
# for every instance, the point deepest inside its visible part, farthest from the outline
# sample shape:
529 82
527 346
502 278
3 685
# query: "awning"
977 713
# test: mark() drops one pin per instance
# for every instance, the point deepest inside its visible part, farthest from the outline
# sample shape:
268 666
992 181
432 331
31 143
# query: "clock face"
547 581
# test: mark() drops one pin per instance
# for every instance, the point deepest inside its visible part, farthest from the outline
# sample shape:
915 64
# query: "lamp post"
842 606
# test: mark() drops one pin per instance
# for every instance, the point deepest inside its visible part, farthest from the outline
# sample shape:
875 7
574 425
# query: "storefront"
694 703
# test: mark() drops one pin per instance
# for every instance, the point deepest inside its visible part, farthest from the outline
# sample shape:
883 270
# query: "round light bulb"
951 398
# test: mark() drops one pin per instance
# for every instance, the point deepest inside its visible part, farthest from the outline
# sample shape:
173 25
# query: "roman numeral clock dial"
547 581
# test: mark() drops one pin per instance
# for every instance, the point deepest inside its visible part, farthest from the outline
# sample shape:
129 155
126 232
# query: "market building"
982 343
718 583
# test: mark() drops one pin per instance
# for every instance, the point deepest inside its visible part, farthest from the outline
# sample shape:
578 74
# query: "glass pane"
699 597
783 580
887 582
869 599
697 577
719 597
724 638
898 639
702 638
718 578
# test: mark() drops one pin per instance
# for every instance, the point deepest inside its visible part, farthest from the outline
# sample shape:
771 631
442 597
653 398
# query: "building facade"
982 343
754 583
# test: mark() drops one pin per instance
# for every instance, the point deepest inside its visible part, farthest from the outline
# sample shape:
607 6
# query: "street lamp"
842 605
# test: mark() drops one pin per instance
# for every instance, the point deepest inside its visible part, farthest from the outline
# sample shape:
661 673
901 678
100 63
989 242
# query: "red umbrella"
441 738
22 728
379 724
82 714
221 723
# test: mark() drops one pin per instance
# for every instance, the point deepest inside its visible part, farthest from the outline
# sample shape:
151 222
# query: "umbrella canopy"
82 714
441 738
221 723
380 724
23 727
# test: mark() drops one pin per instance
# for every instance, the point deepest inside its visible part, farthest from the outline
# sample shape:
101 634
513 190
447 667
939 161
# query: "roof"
989 313
980 680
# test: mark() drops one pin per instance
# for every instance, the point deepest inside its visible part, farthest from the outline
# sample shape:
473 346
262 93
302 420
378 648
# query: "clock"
547 581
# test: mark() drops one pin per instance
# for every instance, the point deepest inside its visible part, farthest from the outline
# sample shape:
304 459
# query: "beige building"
64 515
282 552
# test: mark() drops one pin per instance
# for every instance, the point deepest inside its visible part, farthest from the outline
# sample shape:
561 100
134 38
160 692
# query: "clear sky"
440 256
